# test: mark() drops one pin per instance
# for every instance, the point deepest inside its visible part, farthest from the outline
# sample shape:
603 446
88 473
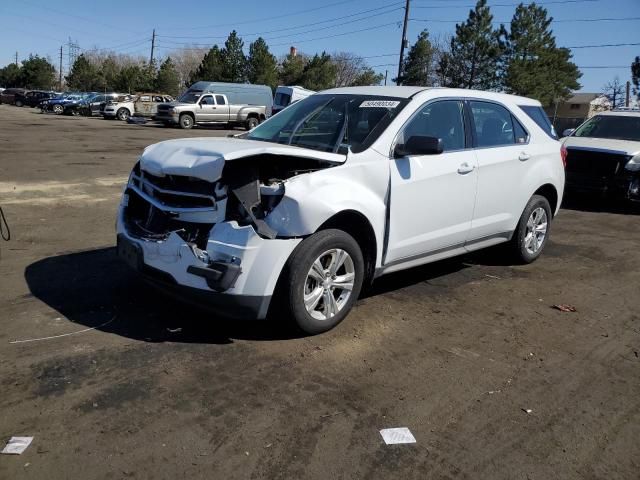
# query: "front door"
432 196
207 110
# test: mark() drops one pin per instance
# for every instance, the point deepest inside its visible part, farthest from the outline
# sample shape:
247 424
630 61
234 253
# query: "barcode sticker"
379 104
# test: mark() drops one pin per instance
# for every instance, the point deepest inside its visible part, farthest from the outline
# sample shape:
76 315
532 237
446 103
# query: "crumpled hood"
622 146
204 158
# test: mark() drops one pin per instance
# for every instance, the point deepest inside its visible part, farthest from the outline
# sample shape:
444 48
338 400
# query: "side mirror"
568 132
419 145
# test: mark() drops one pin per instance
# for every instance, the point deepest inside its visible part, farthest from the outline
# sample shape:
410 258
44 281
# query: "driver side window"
208 100
442 119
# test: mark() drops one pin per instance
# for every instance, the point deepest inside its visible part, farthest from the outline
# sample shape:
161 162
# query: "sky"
369 28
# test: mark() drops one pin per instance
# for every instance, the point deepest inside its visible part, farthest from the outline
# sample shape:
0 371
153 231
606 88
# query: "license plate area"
130 252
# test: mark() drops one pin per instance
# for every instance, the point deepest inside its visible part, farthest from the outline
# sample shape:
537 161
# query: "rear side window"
494 125
537 115
282 99
220 100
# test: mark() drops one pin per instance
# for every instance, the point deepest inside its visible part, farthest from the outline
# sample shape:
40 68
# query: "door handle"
465 168
524 156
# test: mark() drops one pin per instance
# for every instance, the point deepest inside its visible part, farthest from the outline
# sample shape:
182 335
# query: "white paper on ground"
17 445
393 436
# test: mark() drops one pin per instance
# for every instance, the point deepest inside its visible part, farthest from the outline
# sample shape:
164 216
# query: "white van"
287 95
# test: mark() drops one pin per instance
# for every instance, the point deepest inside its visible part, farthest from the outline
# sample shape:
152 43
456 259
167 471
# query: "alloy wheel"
536 230
329 284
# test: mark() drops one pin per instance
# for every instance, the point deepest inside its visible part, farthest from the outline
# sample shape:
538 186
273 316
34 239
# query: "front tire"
123 114
18 103
58 109
533 229
322 280
186 121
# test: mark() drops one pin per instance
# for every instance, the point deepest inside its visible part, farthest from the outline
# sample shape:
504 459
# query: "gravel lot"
456 351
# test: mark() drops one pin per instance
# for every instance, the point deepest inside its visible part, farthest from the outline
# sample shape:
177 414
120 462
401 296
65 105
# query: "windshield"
331 123
190 97
616 127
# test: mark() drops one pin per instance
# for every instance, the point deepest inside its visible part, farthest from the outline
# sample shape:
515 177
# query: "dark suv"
31 98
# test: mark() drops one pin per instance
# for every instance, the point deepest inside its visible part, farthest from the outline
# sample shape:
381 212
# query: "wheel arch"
549 192
358 226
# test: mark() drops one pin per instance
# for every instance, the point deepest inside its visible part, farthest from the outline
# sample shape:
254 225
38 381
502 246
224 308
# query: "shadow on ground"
91 287
597 204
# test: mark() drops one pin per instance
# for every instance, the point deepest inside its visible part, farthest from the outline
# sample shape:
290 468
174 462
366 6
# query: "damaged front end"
207 231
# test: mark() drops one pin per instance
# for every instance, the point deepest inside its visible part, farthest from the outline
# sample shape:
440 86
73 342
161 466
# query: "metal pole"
404 42
153 44
16 59
628 97
60 71
386 72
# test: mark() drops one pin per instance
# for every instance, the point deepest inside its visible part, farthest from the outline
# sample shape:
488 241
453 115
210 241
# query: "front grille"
594 164
175 191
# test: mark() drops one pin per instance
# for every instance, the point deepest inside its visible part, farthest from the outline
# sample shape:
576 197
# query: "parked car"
8 94
222 103
603 155
285 96
90 105
336 190
32 98
57 104
142 104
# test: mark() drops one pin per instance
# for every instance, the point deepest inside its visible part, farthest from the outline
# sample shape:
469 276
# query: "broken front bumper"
235 275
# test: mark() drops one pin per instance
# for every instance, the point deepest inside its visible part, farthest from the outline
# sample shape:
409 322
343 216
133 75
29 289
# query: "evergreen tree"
635 77
37 72
292 69
234 62
262 66
418 68
211 67
319 73
534 66
129 79
168 80
109 70
147 78
84 76
473 60
10 76
367 77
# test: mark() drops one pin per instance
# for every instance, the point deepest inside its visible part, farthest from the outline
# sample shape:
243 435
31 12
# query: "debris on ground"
17 445
174 330
565 308
394 436
493 276
527 410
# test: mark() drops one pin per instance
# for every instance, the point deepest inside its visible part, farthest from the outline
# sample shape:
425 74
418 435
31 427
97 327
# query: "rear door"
432 196
503 156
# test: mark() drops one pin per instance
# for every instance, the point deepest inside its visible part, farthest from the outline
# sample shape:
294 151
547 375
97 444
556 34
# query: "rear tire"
322 280
251 123
58 109
18 103
532 232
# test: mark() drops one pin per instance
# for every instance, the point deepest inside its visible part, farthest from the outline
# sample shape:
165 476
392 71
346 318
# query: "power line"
554 20
394 7
606 45
507 4
299 12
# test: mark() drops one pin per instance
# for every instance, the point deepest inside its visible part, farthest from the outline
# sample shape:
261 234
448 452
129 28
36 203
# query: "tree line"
522 59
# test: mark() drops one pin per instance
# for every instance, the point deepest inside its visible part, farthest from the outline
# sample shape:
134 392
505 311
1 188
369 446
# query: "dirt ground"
133 385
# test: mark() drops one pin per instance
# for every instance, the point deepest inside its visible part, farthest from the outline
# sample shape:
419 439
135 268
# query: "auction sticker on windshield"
379 104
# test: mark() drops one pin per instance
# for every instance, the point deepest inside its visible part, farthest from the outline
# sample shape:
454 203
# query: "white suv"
336 190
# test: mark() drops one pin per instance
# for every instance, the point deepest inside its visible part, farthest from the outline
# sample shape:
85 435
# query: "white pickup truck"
194 108
336 190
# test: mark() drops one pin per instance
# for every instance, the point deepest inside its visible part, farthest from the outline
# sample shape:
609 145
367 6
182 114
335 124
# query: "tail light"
563 154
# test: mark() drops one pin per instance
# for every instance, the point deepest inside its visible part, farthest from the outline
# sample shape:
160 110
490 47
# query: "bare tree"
348 68
615 92
187 60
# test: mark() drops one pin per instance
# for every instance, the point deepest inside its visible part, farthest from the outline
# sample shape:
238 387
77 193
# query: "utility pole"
60 71
16 59
403 43
386 72
153 44
628 96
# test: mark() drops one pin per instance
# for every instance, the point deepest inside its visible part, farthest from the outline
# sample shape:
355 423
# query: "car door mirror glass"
419 145
568 132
